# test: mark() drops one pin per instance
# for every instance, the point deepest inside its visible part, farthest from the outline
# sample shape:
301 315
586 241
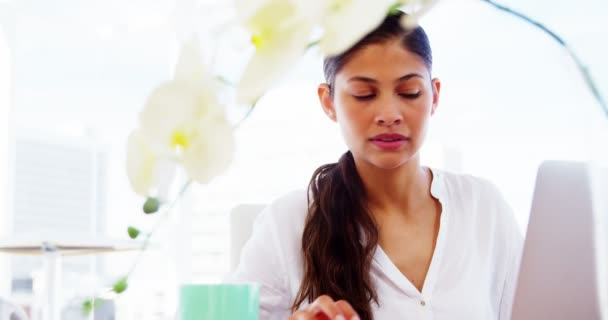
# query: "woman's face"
383 99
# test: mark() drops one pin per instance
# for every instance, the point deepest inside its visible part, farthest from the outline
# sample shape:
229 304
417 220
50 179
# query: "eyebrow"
370 80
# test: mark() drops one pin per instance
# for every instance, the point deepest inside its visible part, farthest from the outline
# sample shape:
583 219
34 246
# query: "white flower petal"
280 34
267 66
182 122
245 9
272 14
169 108
411 20
211 154
164 175
147 172
175 109
189 67
346 26
313 10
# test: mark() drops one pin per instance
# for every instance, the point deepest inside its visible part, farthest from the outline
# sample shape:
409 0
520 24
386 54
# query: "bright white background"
74 74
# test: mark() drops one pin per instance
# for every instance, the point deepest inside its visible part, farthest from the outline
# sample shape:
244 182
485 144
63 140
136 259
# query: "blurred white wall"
6 88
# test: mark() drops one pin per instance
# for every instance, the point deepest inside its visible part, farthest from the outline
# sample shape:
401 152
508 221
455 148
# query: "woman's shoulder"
288 209
464 185
471 196
295 201
477 199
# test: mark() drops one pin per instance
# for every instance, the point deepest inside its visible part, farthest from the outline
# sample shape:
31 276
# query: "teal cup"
219 302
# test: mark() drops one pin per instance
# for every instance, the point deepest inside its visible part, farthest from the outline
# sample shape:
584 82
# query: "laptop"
564 268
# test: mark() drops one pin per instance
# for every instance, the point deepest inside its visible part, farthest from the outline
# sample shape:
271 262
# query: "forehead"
383 62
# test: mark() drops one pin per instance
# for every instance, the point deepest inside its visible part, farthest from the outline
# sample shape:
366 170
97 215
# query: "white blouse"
472 274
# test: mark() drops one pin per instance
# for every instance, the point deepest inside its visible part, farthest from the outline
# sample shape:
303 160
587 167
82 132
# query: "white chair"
11 311
241 225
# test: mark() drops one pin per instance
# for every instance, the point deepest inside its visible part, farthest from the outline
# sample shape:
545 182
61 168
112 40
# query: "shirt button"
422 303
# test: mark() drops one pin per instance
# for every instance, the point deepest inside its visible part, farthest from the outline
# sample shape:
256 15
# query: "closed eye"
410 95
365 98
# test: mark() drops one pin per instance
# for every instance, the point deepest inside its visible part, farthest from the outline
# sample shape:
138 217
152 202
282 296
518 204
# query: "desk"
52 251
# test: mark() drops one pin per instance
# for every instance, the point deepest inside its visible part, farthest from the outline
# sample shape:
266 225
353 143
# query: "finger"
325 305
302 315
347 310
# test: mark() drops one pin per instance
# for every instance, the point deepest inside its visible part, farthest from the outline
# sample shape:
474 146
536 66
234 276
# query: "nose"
388 113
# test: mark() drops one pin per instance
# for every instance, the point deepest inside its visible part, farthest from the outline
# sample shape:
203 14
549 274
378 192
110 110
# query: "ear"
436 84
327 101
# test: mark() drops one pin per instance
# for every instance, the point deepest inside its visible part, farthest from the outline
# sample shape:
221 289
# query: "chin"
389 160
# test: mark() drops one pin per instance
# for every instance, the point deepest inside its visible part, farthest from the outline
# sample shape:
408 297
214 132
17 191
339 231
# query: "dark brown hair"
340 235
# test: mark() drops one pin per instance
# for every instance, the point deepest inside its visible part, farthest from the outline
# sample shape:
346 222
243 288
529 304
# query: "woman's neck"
396 191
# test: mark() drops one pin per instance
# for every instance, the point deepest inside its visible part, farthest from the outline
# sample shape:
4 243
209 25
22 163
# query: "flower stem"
579 64
89 306
312 44
238 124
160 221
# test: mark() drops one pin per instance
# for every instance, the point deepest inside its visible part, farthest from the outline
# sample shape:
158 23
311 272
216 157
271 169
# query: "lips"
389 137
389 141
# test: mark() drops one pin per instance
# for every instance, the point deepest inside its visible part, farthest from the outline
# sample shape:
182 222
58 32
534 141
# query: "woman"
383 236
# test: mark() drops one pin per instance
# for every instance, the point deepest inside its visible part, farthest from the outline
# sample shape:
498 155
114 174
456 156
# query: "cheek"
353 125
420 116
348 115
349 123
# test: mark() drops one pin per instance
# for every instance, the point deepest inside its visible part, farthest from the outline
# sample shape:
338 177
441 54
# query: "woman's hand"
325 308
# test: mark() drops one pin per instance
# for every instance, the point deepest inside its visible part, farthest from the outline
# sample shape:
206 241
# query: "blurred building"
59 190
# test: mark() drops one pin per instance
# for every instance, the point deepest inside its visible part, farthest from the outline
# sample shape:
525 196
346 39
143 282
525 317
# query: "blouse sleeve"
508 293
514 244
262 262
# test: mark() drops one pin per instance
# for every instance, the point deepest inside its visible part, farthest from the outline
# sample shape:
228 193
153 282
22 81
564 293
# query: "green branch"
579 64
122 284
160 221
